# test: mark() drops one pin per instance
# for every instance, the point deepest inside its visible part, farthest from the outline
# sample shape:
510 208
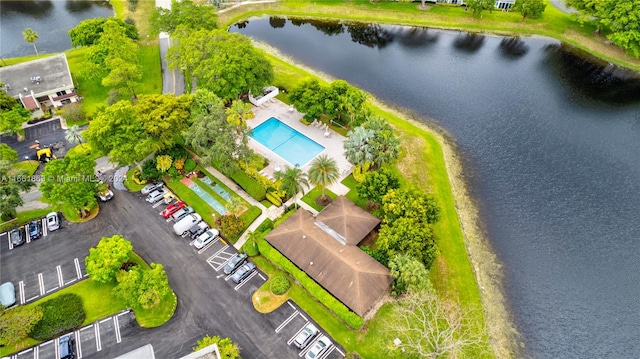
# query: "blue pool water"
294 147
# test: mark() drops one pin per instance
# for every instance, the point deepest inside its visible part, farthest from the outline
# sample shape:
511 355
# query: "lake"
50 19
551 146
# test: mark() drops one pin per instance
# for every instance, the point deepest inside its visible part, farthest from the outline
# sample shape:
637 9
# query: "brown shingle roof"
345 271
350 221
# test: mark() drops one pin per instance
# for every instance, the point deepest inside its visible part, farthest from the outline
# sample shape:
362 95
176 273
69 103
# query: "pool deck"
283 112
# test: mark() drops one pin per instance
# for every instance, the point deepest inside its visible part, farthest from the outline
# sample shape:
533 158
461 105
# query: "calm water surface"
552 147
50 19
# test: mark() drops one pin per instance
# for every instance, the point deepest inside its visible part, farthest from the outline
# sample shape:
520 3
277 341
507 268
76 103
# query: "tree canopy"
376 184
16 324
620 18
323 172
410 203
410 275
408 236
227 348
31 37
371 143
142 288
184 13
11 183
70 181
164 116
88 32
104 261
529 8
12 113
339 101
293 181
226 63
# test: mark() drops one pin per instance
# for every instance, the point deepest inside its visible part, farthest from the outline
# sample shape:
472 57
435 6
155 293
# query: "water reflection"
416 36
330 28
78 6
469 42
370 35
32 8
277 22
599 80
513 47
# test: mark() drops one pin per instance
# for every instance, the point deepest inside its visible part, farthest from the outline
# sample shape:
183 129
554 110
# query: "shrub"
232 227
175 152
149 170
179 164
264 226
273 198
59 315
251 186
324 297
381 256
250 247
189 165
279 285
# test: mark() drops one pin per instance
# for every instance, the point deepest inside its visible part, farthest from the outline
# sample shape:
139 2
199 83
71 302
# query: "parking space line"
326 354
302 315
296 334
218 252
309 346
47 343
78 271
44 227
41 280
208 245
78 344
56 346
291 305
70 281
87 327
21 289
124 312
116 323
284 324
246 280
36 352
27 234
97 331
157 204
32 298
52 289
26 351
10 244
60 281
2 234
340 351
263 278
105 320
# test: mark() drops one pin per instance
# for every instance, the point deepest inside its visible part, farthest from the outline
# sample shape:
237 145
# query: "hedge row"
324 297
251 186
59 315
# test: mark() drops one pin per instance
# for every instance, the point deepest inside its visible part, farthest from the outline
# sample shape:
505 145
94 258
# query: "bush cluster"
324 297
265 226
250 247
250 185
232 227
279 285
59 315
189 165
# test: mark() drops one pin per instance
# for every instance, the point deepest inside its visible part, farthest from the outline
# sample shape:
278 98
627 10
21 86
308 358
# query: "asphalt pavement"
47 133
208 301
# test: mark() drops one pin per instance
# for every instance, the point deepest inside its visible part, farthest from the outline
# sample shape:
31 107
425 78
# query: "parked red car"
172 208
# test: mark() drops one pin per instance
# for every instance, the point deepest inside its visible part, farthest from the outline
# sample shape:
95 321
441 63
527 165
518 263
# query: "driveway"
207 303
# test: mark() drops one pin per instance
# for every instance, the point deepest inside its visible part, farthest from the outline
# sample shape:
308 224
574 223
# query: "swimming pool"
294 147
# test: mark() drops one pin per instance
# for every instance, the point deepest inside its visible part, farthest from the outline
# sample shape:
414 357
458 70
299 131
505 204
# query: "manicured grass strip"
130 183
24 217
353 193
149 58
29 167
193 200
310 197
211 192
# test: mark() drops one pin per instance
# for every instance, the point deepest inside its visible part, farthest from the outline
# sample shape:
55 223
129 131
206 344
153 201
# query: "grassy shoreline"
553 23
467 271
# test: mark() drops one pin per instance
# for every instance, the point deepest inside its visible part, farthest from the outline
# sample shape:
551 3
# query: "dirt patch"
323 201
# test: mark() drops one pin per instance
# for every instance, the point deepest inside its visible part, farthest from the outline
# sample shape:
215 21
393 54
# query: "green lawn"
24 217
310 197
193 200
353 193
552 23
29 166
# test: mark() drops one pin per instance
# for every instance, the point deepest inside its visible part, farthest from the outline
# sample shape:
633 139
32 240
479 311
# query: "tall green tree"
410 275
119 133
212 136
11 183
227 348
411 203
409 236
69 181
88 32
184 13
142 288
530 8
308 98
123 75
323 172
376 184
478 6
164 116
226 63
384 146
239 112
104 261
344 102
31 36
12 113
235 205
357 146
293 181
16 324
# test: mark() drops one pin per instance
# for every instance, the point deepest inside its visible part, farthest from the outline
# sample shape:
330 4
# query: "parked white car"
182 226
206 238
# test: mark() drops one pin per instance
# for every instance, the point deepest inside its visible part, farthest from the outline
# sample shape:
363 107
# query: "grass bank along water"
467 270
552 23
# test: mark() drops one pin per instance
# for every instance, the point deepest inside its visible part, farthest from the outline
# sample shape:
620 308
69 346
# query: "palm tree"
323 173
30 36
293 182
73 135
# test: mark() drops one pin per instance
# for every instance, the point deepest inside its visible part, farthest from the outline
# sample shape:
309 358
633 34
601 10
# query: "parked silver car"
322 345
53 222
151 187
206 238
306 336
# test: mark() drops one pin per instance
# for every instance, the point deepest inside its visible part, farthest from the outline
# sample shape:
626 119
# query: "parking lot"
209 302
88 340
